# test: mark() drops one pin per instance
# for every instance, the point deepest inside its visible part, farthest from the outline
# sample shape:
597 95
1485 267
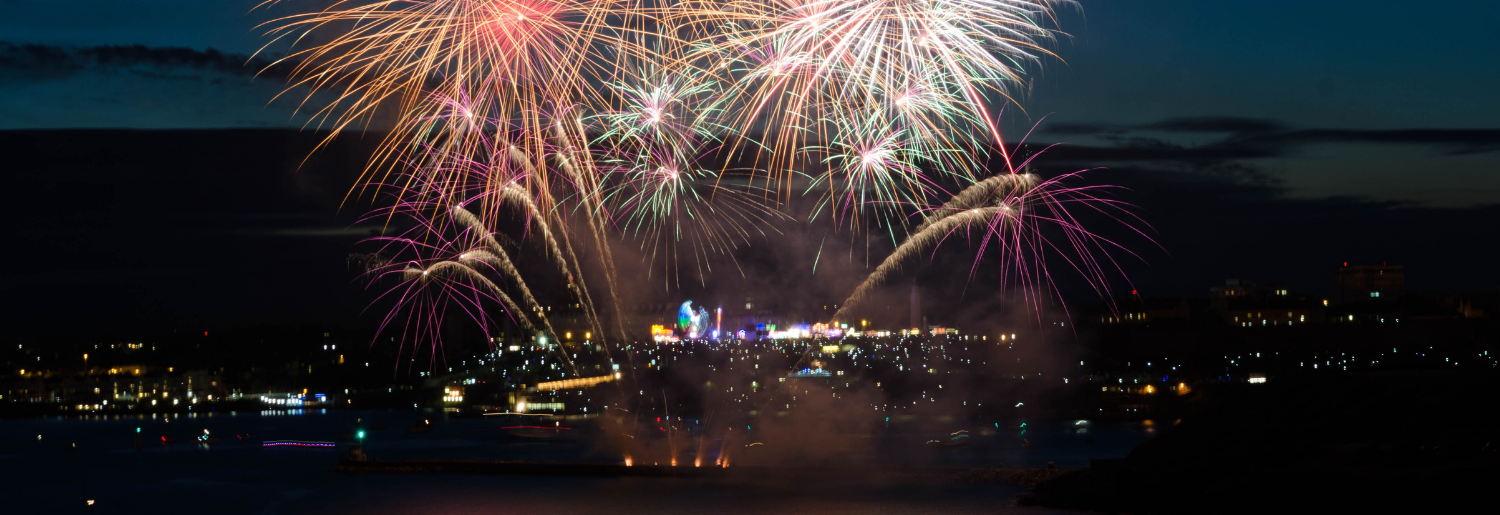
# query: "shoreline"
1013 476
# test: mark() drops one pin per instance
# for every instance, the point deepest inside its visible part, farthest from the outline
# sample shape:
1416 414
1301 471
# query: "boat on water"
536 432
476 411
423 427
953 440
529 426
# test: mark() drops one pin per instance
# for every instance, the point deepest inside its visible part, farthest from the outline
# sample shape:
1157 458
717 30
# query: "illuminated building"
1146 311
1359 284
1234 289
1267 317
1242 303
660 333
571 321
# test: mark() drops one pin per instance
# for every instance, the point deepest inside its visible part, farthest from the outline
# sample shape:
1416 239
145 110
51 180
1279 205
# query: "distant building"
571 321
1148 311
1355 284
1241 294
1243 303
1463 306
755 321
1263 317
1234 289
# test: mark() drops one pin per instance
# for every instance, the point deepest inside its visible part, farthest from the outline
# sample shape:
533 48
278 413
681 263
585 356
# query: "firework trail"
1016 213
496 257
977 195
426 290
568 263
457 276
488 176
932 234
560 260
518 195
592 205
444 271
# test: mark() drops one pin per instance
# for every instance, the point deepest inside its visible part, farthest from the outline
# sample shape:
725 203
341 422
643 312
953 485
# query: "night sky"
1268 139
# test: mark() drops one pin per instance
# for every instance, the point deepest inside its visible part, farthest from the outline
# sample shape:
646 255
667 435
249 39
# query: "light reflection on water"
238 475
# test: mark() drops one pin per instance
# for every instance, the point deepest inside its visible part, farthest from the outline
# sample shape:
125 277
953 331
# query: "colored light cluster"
692 323
294 443
580 382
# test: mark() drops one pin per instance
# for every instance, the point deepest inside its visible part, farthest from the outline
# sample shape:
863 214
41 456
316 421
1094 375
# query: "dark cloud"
1138 149
1453 141
1249 139
1203 124
1230 124
43 62
1083 129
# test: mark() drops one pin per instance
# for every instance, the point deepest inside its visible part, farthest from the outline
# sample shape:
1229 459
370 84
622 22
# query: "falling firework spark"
1019 217
938 64
655 186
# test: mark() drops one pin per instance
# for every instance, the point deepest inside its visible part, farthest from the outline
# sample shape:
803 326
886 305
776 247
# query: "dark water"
80 459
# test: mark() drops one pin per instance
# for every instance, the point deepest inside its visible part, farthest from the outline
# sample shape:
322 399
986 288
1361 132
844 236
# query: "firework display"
1012 213
923 71
685 130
